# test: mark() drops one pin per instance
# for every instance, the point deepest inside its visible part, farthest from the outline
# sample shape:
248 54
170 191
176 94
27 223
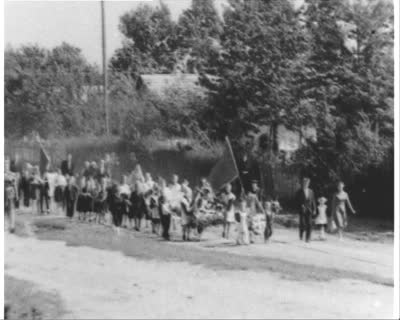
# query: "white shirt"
148 185
52 179
60 180
124 189
174 195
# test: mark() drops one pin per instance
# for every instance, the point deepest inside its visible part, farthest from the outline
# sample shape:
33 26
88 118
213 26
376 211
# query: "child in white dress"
228 199
321 219
243 231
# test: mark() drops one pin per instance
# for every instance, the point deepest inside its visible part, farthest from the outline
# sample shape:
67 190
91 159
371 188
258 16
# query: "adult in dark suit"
248 171
70 196
44 194
24 187
306 205
67 166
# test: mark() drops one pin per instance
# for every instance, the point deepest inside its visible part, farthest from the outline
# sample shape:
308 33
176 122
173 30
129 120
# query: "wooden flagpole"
234 161
105 75
45 152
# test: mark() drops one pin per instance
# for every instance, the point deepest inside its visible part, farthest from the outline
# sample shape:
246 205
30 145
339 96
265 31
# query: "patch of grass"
24 301
50 224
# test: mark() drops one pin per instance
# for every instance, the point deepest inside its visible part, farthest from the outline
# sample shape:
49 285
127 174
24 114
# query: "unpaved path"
102 284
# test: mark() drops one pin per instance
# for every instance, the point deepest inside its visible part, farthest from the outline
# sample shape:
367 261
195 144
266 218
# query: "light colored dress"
155 214
52 179
321 219
61 181
91 186
243 230
339 213
148 185
175 195
229 210
254 203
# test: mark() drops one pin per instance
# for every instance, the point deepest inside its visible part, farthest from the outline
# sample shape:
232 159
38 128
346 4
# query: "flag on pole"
44 160
225 170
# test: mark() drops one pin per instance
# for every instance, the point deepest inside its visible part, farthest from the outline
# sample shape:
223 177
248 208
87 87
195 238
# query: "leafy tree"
21 85
44 90
198 34
344 91
150 42
259 43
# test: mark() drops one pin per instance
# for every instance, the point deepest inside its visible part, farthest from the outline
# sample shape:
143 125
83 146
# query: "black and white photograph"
200 159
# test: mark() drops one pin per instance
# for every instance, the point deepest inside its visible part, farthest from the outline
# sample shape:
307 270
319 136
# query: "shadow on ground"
143 245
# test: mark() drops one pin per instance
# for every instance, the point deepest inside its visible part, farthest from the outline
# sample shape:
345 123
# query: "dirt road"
97 283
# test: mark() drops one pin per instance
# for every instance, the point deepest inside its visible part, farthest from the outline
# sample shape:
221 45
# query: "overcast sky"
48 23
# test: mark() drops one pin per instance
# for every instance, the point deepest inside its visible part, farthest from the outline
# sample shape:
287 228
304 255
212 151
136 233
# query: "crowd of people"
138 201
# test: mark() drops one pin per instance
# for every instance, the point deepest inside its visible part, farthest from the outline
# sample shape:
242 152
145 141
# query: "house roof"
289 140
158 83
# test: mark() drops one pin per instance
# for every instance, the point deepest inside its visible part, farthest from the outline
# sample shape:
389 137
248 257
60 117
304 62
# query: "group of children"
251 216
95 197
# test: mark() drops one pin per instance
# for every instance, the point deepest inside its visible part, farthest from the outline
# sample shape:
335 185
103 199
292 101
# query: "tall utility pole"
105 77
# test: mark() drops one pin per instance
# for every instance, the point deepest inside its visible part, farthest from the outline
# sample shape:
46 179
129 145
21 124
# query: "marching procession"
138 201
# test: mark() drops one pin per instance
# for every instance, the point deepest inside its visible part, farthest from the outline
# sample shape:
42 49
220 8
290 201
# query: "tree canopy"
327 64
45 89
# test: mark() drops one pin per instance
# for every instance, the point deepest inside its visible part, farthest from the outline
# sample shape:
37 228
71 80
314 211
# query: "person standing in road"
305 201
228 199
339 201
71 195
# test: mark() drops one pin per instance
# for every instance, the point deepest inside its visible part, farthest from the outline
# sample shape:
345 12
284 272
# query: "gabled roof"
158 83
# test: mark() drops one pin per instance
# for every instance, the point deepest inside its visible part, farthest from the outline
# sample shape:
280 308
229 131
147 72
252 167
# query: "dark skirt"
34 191
89 203
26 199
138 207
99 206
191 221
59 194
147 214
131 212
80 204
165 224
117 213
156 220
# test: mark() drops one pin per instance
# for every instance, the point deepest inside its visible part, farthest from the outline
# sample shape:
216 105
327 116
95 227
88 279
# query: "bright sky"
48 23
